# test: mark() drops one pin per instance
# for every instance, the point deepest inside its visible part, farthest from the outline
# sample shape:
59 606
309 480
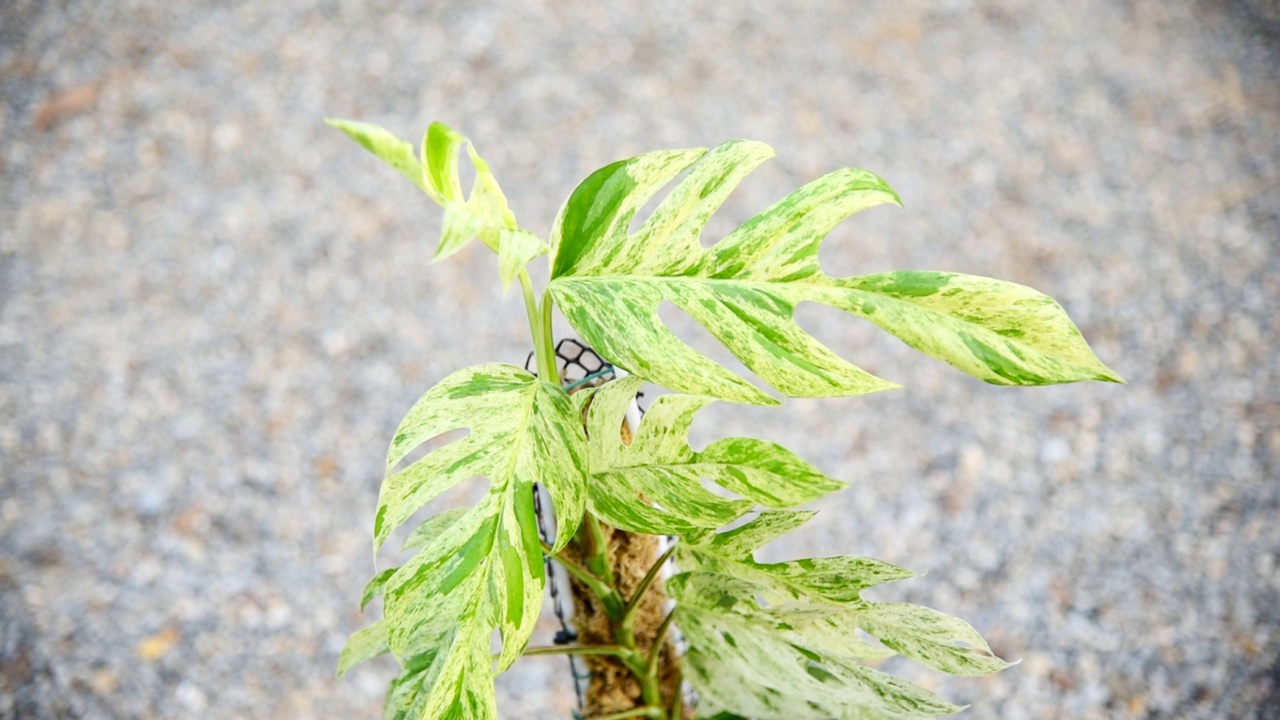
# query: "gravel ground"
214 309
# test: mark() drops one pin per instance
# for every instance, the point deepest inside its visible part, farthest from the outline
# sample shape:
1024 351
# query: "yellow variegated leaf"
483 214
515 249
367 643
749 662
480 569
609 282
757 659
654 484
390 149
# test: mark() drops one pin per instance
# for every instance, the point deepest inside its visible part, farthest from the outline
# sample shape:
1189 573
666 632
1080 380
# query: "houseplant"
765 640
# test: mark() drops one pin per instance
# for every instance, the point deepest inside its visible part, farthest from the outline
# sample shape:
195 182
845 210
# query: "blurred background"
214 310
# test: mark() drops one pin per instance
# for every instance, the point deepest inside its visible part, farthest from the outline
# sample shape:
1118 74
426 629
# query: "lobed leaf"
777 640
609 283
824 581
654 484
365 644
476 569
387 147
744 664
931 638
482 214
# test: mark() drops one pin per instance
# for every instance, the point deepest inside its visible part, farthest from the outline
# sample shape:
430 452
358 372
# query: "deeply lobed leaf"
777 641
476 569
654 484
609 282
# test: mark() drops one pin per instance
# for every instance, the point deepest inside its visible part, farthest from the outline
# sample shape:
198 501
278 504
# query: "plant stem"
610 650
598 586
628 619
649 712
655 650
596 549
544 355
548 338
677 701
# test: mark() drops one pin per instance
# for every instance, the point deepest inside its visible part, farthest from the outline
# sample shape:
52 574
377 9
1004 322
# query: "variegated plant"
766 641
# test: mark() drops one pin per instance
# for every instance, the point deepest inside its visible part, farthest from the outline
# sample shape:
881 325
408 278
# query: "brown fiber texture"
613 688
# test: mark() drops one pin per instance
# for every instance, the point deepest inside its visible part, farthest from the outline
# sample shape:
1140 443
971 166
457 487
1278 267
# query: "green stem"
610 650
601 589
655 650
596 549
677 702
543 354
649 712
628 620
548 337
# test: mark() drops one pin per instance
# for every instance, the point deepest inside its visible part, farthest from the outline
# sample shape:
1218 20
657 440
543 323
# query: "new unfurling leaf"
483 214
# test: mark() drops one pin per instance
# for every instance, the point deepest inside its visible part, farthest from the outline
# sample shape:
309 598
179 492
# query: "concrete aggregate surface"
214 310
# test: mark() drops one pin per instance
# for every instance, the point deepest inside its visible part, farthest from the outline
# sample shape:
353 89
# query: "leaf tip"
1111 376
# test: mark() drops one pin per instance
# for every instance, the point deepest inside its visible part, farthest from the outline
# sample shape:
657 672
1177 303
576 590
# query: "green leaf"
609 283
480 569
743 662
654 485
483 214
931 638
375 587
460 226
515 249
825 581
365 644
777 640
390 149
440 147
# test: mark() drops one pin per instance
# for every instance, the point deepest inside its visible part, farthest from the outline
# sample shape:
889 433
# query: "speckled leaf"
375 587
433 526
930 638
416 694
997 331
387 147
515 249
807 631
460 225
741 659
654 485
825 581
364 644
609 283
483 214
741 541
480 569
522 430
